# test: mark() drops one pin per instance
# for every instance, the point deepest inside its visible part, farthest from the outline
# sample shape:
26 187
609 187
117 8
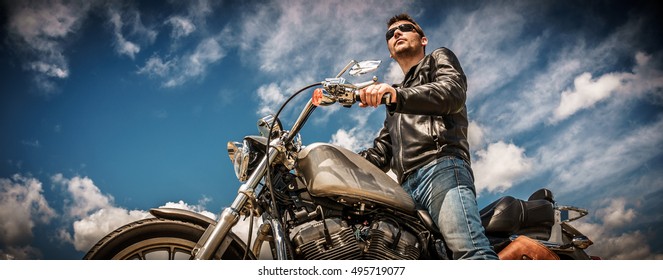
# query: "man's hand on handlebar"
372 95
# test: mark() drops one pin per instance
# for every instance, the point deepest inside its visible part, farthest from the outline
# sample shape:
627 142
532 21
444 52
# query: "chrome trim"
229 216
549 244
581 242
264 234
215 234
351 63
264 124
280 247
239 156
299 123
233 149
581 212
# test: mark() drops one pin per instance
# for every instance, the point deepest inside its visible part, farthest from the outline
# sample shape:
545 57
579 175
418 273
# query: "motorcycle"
322 201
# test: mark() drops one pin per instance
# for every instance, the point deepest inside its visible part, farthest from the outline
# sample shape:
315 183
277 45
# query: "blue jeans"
445 187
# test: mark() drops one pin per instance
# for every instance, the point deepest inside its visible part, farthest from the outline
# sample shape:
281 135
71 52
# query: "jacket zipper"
433 133
400 149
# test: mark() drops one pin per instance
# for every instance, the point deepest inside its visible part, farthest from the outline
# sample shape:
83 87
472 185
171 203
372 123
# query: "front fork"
214 234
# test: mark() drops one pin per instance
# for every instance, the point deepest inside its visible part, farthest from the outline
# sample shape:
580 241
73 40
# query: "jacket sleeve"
444 94
381 153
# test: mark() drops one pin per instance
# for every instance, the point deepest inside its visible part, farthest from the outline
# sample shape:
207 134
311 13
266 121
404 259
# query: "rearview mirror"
364 67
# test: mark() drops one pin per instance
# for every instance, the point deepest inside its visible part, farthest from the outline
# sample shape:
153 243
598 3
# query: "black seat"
508 215
544 194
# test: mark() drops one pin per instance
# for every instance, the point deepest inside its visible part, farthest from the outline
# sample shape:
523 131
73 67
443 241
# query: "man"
424 138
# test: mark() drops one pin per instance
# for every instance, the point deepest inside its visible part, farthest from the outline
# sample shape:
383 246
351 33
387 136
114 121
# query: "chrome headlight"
240 155
245 156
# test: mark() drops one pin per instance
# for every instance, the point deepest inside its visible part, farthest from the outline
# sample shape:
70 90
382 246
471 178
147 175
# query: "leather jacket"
429 119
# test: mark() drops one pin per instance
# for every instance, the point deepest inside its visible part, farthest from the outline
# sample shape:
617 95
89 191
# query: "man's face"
405 43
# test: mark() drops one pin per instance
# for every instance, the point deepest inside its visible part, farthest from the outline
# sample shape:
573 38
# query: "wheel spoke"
155 238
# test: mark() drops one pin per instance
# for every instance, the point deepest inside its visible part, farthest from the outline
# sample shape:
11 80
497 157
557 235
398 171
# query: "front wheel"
159 239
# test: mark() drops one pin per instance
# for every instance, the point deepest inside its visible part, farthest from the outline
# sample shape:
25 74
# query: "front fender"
201 220
182 215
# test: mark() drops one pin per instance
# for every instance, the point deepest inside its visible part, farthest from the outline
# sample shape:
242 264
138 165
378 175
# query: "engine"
387 241
335 239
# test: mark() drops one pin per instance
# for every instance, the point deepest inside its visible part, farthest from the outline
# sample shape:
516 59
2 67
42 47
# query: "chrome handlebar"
337 90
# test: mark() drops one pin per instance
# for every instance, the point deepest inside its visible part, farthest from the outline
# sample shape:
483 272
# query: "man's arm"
444 94
380 155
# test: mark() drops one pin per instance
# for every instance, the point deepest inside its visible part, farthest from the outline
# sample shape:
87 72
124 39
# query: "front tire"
159 239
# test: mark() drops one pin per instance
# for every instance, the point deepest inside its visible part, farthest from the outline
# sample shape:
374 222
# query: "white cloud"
360 136
613 246
355 139
646 79
50 70
94 214
43 21
300 33
491 42
499 166
198 11
206 53
475 135
155 66
39 30
178 70
191 18
86 196
394 74
120 20
199 208
616 214
22 207
587 92
611 241
91 228
302 45
528 103
122 46
22 204
586 155
182 26
533 94
270 99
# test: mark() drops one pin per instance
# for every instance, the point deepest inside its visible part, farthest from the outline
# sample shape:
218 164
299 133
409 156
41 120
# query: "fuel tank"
340 174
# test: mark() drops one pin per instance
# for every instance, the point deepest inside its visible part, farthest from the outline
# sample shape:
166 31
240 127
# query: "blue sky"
110 108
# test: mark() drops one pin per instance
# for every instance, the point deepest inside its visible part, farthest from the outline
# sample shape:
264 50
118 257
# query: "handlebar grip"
386 99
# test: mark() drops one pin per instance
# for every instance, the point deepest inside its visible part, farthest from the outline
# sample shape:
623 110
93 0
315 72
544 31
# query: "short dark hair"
406 17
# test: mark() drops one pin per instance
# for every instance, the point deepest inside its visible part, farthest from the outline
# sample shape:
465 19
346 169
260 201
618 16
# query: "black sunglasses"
403 28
